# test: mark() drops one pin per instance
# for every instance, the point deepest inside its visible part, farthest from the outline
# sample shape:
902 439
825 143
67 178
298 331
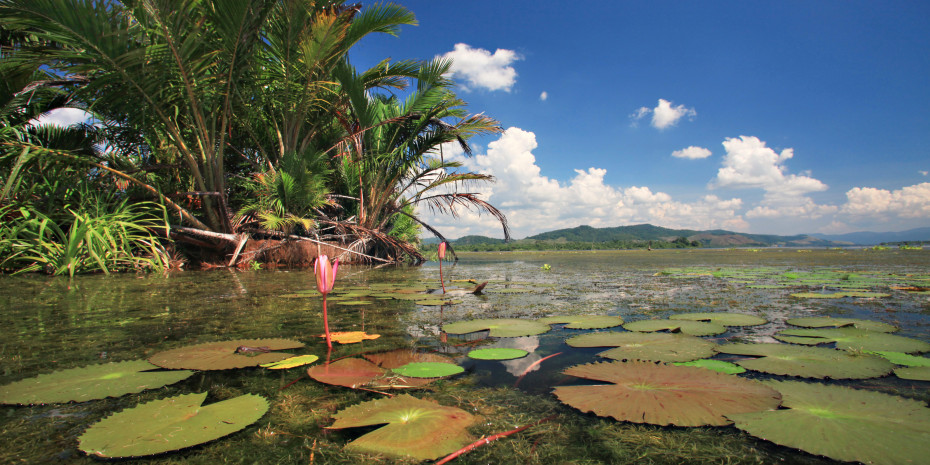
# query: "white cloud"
748 163
544 96
63 117
924 173
664 115
692 152
907 202
482 69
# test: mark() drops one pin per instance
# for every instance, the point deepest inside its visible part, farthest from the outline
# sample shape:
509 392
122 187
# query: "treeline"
532 244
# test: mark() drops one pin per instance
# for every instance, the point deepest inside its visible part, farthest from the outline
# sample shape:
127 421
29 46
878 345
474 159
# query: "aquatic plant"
325 278
847 338
442 256
225 355
499 327
808 362
584 321
657 347
693 328
721 318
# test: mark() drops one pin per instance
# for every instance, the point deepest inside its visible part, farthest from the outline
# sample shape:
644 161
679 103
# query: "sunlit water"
45 325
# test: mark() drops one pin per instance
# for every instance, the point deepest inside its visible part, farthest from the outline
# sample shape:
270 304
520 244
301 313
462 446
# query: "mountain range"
709 238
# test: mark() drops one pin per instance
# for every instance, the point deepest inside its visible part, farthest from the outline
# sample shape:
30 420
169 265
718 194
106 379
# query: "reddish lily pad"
722 318
659 347
169 424
849 425
418 428
808 362
853 339
89 383
659 394
826 322
584 321
499 327
225 355
348 372
693 328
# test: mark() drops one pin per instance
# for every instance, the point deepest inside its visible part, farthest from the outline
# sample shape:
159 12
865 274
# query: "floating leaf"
853 339
694 328
225 355
348 372
900 358
659 347
500 327
428 370
844 424
913 373
818 295
89 383
170 424
722 318
584 321
497 353
808 362
353 303
825 321
350 337
716 365
659 394
398 358
413 427
291 362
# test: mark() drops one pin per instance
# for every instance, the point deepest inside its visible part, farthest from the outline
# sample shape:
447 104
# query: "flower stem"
329 342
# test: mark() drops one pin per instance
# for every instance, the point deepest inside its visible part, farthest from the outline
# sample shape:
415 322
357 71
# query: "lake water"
46 326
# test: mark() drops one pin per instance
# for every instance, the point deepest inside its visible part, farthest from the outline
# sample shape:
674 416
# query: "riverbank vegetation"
535 244
215 124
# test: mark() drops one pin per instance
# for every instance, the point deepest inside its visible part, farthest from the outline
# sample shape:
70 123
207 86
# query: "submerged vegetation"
242 120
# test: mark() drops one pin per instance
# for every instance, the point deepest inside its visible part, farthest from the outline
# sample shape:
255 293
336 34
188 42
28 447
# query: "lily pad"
291 362
722 318
225 355
89 383
844 424
418 428
825 321
694 328
659 347
900 358
659 394
401 357
497 353
853 339
350 337
428 370
913 373
499 327
353 303
716 365
348 372
584 321
808 362
169 424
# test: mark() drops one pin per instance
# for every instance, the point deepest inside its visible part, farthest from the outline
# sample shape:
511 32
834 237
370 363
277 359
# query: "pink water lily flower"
325 279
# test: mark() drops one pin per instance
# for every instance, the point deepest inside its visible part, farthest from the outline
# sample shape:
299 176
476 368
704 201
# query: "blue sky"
768 117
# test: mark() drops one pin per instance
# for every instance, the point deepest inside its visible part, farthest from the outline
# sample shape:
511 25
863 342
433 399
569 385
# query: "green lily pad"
418 428
818 295
900 358
913 373
659 394
808 362
716 365
844 424
499 327
353 303
694 328
169 424
497 353
225 355
291 362
584 321
853 339
722 318
428 370
825 321
89 383
400 357
659 347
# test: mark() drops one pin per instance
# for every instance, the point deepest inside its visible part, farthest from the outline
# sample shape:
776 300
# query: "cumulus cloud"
483 70
907 202
748 163
692 152
664 115
534 202
544 96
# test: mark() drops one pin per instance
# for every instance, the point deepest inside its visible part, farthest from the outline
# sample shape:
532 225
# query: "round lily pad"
643 392
844 424
350 337
808 362
225 355
913 373
694 328
353 303
716 365
398 358
413 427
659 347
584 321
499 327
900 358
348 372
824 322
722 318
497 353
428 370
853 339
169 424
89 383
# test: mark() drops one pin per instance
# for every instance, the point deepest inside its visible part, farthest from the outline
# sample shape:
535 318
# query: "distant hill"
872 238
